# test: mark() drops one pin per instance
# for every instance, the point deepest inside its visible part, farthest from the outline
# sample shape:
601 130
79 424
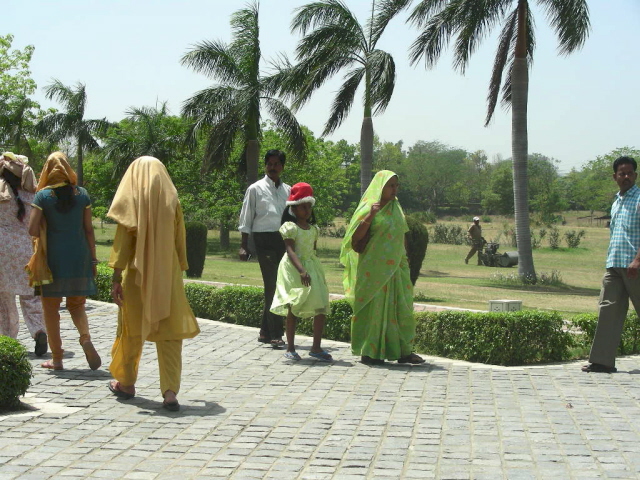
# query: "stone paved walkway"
249 414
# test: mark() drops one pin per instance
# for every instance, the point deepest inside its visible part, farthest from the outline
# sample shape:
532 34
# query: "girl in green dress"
376 280
301 289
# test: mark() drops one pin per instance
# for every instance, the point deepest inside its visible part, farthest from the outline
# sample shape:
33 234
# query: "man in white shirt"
261 215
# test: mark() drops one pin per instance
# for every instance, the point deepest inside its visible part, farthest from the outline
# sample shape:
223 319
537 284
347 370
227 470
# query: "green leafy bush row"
509 338
586 324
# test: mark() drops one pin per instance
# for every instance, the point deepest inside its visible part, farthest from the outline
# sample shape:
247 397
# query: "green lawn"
444 278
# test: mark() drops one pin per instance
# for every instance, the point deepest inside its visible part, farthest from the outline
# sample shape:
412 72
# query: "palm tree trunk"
79 169
520 149
366 153
366 137
253 151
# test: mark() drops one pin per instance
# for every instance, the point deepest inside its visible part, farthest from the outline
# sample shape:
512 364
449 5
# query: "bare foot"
170 401
52 365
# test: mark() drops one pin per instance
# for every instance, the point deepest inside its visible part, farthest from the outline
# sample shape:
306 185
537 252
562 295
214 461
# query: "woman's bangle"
116 278
367 223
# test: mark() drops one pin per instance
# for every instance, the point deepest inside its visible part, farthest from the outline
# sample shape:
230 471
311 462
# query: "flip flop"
323 356
114 386
292 356
277 344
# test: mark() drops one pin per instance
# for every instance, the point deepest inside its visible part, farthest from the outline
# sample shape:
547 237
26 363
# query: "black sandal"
412 359
371 361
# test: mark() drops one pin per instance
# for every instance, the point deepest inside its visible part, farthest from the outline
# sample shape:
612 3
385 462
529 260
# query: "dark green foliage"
196 248
103 283
510 338
239 305
587 323
448 234
573 238
417 241
15 372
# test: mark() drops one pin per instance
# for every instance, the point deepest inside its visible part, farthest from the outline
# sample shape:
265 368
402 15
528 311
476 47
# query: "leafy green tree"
17 110
146 131
231 110
387 155
334 41
592 188
432 175
71 124
471 21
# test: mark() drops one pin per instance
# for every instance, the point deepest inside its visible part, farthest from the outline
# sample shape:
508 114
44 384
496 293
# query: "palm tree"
333 41
231 109
145 131
471 20
71 125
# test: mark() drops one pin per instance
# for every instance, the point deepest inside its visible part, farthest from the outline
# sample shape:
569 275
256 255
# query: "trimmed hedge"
509 338
499 338
587 323
196 248
15 372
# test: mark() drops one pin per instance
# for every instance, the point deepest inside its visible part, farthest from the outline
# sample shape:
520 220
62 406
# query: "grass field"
444 278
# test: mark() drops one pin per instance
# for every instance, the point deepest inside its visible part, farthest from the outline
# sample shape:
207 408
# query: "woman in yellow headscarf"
376 280
148 258
61 222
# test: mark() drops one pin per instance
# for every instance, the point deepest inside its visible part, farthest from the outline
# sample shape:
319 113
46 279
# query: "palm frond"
344 100
310 77
97 127
570 20
54 127
220 142
327 39
383 79
59 92
245 46
531 43
474 20
285 120
386 10
505 47
425 9
215 60
437 30
211 103
324 12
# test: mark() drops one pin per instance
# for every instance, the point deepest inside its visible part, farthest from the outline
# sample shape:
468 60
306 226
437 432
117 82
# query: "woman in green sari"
376 280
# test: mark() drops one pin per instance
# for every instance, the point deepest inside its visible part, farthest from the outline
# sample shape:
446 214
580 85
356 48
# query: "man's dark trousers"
270 249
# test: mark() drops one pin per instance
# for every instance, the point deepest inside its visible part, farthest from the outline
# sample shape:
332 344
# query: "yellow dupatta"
55 173
145 204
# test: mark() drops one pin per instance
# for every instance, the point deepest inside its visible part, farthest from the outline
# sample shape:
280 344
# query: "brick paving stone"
249 414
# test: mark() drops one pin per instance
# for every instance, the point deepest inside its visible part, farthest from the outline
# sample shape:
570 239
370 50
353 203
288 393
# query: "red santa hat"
301 193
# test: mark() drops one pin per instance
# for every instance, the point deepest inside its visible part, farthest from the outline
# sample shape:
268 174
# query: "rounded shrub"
196 248
15 372
417 242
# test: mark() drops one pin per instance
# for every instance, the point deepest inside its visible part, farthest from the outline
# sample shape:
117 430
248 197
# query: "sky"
127 53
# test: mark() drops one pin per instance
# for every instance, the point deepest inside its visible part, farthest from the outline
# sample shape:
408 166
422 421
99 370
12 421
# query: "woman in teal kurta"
376 281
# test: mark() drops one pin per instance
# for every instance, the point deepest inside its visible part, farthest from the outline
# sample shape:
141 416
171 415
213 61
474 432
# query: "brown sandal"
412 358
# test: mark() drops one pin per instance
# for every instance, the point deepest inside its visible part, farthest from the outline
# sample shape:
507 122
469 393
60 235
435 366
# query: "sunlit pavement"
247 413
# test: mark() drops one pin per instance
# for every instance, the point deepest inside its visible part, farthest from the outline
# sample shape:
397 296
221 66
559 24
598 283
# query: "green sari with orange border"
377 282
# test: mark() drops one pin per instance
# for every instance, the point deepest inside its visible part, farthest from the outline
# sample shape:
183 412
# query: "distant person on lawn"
621 280
262 208
475 236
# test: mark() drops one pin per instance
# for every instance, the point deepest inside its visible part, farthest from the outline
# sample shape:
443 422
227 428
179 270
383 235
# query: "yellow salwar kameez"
171 319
